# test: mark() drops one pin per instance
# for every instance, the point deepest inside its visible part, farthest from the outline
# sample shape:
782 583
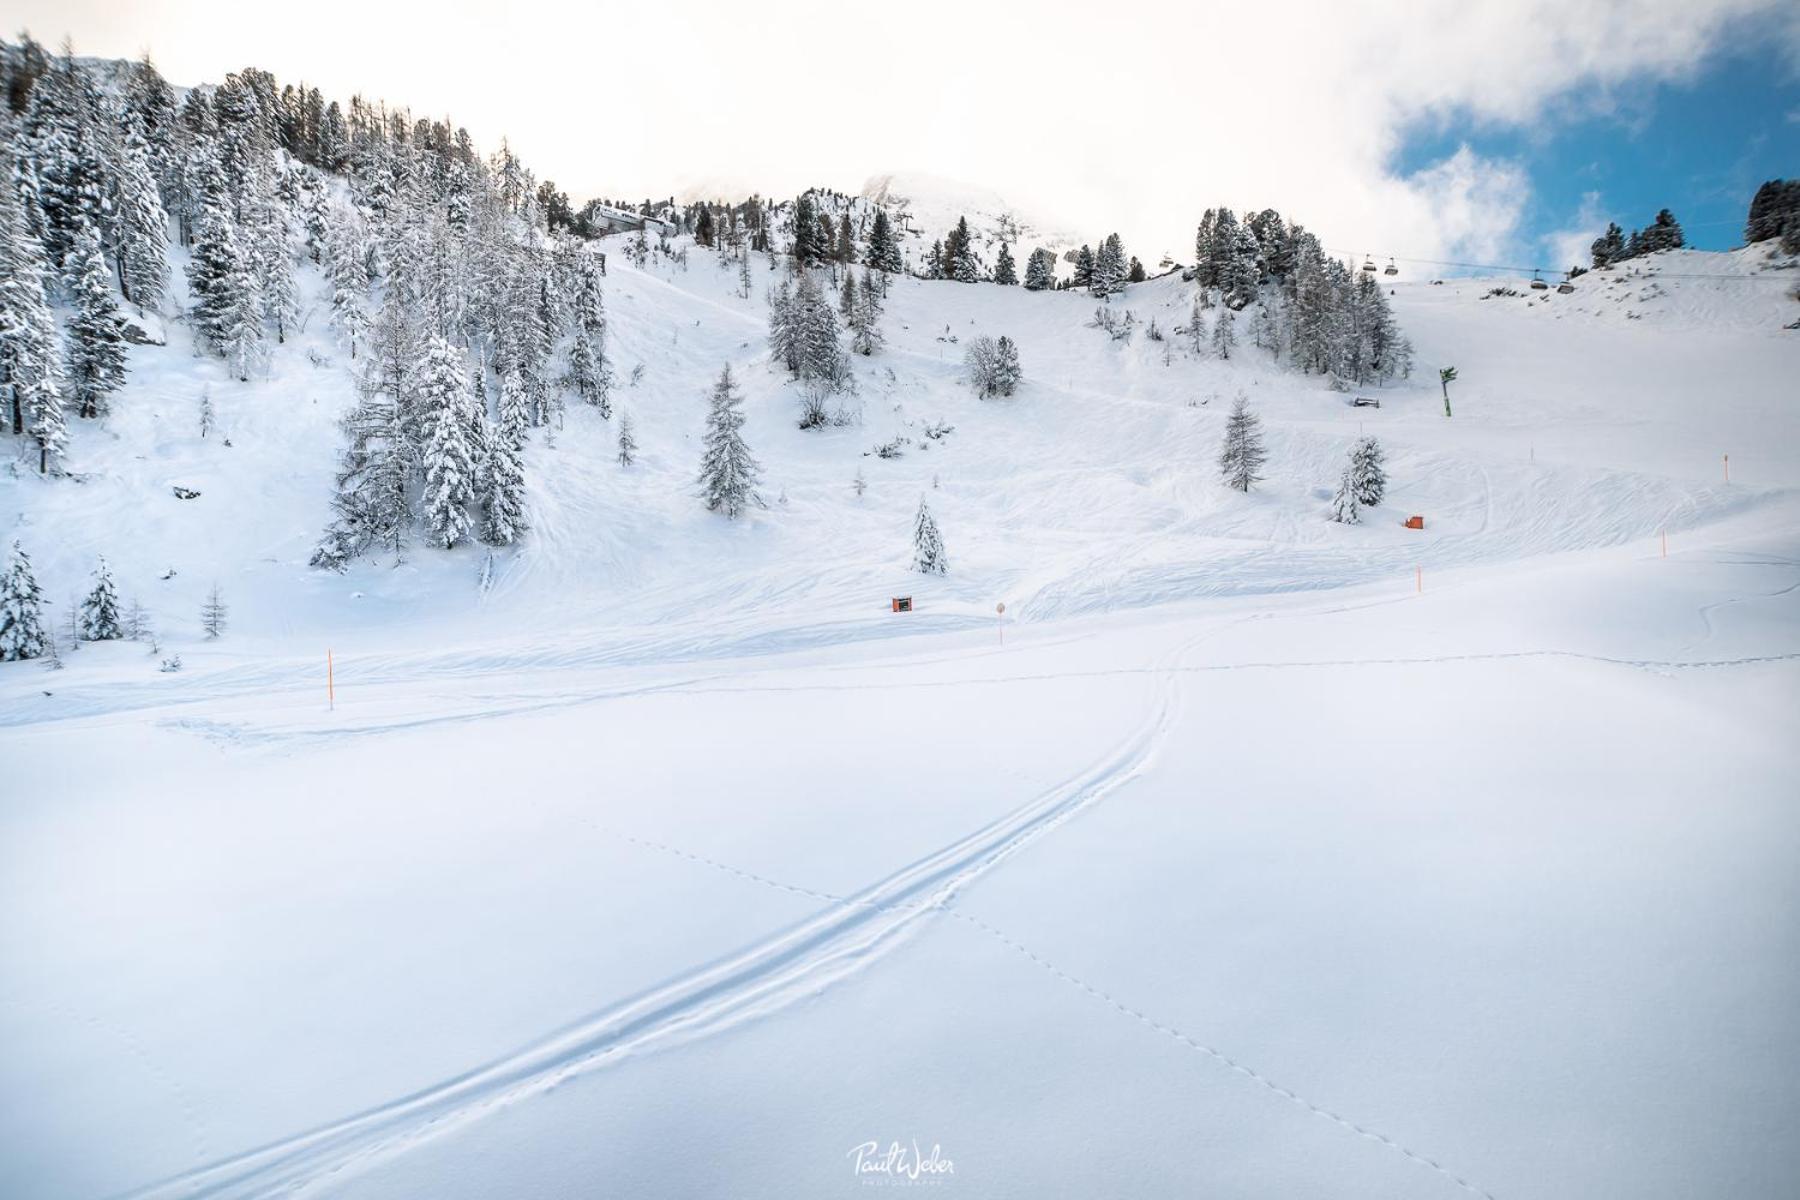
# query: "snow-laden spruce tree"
96 334
865 319
22 632
1345 508
928 548
959 249
503 491
1242 455
1007 370
727 472
347 261
627 440
30 364
143 225
884 250
1368 475
784 328
226 306
1005 271
99 619
1108 272
590 375
448 458
1040 270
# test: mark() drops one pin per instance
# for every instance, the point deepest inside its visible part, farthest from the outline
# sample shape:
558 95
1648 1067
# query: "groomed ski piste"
1246 854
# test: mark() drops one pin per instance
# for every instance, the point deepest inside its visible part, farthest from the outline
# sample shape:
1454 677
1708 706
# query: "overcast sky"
1133 116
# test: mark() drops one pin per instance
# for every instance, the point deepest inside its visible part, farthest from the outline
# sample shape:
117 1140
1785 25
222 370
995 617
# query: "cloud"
1137 119
1571 245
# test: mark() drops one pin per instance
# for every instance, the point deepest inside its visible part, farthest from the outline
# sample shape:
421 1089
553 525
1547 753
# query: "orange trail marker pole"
330 684
1419 580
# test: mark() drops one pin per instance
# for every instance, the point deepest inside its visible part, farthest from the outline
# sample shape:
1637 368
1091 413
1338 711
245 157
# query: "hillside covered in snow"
476 789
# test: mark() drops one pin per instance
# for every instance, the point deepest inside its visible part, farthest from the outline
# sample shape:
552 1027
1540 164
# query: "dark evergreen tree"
1609 247
884 249
1084 268
1005 272
1040 270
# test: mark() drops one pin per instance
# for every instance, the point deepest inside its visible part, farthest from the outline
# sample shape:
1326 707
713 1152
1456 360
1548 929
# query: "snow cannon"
902 603
1415 522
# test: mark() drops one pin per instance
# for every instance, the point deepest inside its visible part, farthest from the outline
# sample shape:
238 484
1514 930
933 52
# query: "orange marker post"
330 684
1419 580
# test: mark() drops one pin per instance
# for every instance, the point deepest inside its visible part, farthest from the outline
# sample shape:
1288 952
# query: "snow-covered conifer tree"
214 613
928 548
22 632
143 226
1040 270
727 471
627 441
1007 369
448 457
1108 272
590 375
96 334
100 610
1367 472
1224 332
1005 272
1345 507
30 366
1242 455
884 249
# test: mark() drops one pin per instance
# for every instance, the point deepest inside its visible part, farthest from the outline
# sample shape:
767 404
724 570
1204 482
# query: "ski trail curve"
790 965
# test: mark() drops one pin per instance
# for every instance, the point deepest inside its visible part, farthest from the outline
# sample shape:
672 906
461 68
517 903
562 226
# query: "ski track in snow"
790 965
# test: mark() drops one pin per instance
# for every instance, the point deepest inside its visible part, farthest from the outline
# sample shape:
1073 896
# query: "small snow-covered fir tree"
1242 455
728 473
1007 370
347 261
213 614
928 547
1040 271
627 440
22 632
208 418
859 485
865 319
1005 271
100 610
96 334
1345 508
1368 475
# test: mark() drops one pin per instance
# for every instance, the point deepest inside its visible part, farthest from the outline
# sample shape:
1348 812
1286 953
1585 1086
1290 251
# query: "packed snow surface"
1247 854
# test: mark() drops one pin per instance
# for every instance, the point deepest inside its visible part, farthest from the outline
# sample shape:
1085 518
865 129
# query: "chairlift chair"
1391 268
1537 282
1566 286
1369 265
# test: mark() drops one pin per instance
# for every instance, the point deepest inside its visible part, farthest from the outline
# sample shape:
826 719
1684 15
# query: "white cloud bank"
1134 116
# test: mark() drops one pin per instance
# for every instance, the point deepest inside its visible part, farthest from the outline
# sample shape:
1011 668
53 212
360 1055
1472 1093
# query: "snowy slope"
672 863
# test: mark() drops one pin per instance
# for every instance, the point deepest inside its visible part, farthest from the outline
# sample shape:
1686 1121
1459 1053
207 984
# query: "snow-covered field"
671 862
